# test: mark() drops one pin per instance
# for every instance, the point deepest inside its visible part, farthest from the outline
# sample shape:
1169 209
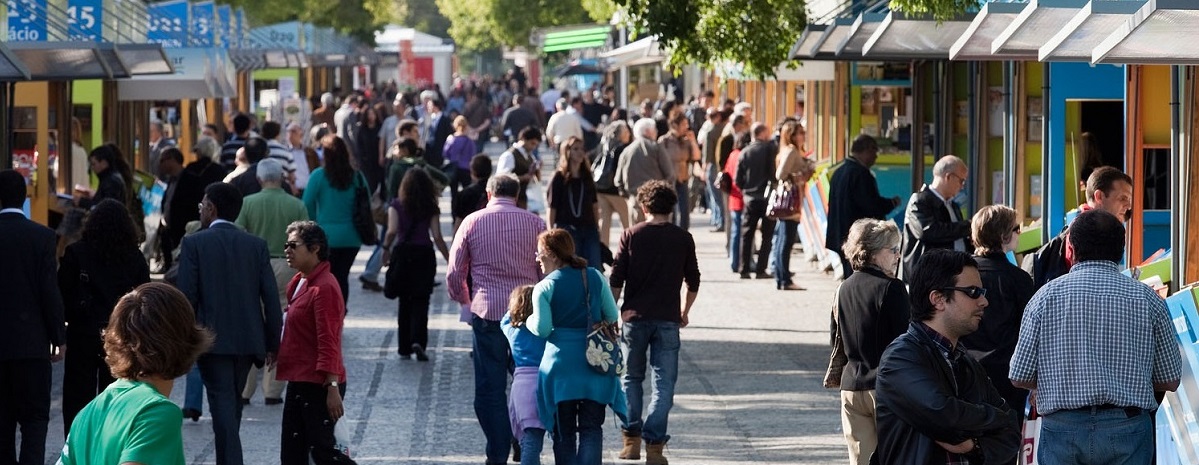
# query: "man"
438 127
157 144
187 190
387 131
853 195
1096 346
934 403
256 150
933 219
277 150
679 144
516 118
478 117
170 168
593 113
33 335
697 114
474 197
549 100
641 162
653 260
755 174
521 161
495 248
295 146
1108 189
563 125
226 275
345 117
324 114
241 130
267 215
710 134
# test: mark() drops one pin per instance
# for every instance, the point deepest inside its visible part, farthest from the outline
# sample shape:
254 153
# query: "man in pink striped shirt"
496 247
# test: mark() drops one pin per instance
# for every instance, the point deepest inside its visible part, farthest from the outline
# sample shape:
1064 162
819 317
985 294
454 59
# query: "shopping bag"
1032 437
341 438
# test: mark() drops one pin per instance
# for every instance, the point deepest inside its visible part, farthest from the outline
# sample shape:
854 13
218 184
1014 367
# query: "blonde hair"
460 123
867 237
991 228
520 305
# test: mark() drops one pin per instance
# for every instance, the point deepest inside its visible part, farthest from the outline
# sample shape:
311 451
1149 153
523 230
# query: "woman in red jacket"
310 357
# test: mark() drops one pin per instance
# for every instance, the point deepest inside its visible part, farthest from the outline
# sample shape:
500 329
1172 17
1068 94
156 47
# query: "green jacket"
395 174
267 214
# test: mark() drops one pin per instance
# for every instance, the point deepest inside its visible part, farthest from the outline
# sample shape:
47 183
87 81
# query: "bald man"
933 220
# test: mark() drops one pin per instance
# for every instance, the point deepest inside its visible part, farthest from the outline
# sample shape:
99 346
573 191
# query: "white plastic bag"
1032 441
341 438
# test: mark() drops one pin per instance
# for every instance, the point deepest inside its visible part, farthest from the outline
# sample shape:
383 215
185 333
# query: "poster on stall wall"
998 185
1034 196
287 87
995 115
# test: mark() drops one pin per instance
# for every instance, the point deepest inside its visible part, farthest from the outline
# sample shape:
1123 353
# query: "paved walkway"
748 391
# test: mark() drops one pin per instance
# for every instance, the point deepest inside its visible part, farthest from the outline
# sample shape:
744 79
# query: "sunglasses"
291 245
973 292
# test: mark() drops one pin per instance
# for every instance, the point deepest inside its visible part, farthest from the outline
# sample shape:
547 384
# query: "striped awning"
590 37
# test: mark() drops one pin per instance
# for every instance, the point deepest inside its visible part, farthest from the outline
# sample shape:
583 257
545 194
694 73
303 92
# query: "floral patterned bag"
603 342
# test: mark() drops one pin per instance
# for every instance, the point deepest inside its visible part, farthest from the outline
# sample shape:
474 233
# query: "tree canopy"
485 24
355 18
940 10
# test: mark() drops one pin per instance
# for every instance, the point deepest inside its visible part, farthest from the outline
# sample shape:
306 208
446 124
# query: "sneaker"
370 285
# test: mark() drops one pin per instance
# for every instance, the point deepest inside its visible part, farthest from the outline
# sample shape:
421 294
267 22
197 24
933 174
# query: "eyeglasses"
291 245
973 292
960 178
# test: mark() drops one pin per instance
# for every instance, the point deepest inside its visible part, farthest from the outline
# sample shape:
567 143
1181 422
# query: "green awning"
576 39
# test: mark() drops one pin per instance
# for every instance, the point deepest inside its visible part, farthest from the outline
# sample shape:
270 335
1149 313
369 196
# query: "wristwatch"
334 384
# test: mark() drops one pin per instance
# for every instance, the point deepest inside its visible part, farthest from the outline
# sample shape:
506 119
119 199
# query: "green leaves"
485 24
940 10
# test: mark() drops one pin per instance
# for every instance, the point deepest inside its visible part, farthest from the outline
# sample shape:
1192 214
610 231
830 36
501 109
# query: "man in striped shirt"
271 131
496 247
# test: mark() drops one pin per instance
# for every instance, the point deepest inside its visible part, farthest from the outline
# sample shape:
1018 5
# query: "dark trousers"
755 218
579 435
341 259
307 428
85 374
224 379
417 266
459 178
25 401
491 359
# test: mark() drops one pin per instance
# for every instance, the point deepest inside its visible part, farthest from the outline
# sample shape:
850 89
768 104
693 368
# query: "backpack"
1048 262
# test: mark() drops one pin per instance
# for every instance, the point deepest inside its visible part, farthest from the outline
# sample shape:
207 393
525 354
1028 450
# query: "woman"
571 396
151 339
366 136
736 201
794 169
330 200
407 154
872 310
310 357
412 219
995 231
617 136
459 149
114 174
572 200
527 350
93 274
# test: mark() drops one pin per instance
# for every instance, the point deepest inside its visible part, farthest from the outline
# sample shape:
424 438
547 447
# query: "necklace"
576 208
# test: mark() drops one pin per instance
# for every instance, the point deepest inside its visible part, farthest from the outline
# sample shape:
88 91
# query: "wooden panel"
1190 210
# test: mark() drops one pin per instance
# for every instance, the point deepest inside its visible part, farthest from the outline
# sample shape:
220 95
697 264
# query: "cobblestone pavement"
748 391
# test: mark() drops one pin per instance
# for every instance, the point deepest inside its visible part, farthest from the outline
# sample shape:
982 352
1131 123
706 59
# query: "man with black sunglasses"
934 403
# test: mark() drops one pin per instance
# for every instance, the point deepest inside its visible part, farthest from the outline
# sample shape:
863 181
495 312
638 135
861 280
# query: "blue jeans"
491 360
530 446
682 210
587 244
661 340
735 240
375 263
583 420
1096 436
716 198
194 397
785 232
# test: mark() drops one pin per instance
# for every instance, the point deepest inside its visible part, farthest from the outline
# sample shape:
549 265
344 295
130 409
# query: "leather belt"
1128 411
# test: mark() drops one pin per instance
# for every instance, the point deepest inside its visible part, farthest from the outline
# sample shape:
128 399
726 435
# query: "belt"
1128 411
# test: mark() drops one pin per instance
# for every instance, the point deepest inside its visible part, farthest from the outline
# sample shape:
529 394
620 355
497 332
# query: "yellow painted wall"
1155 102
37 94
1073 126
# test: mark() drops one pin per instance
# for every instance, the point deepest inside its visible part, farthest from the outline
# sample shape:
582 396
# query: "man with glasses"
934 402
933 219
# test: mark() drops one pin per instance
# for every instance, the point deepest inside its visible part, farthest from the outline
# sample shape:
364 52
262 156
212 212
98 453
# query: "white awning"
643 51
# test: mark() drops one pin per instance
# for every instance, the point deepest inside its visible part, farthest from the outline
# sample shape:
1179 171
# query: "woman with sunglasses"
573 200
995 231
872 308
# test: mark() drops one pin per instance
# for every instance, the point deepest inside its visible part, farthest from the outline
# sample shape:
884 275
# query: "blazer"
853 195
311 345
927 226
226 275
32 311
435 146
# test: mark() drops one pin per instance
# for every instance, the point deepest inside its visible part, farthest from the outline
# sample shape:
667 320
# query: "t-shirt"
653 262
129 422
572 201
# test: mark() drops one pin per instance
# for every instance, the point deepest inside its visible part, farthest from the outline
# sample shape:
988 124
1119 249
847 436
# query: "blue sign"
242 28
85 20
26 20
203 27
167 23
224 19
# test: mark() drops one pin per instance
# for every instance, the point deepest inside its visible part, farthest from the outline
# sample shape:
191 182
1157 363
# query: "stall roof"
903 36
192 78
112 61
52 61
144 59
642 51
1153 35
1039 21
862 29
11 68
992 19
805 47
832 37
1079 37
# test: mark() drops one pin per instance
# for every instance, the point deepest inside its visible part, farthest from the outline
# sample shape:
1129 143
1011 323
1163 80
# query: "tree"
758 34
422 15
355 18
940 10
484 24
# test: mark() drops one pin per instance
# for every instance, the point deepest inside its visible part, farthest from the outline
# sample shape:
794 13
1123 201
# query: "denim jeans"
785 232
375 263
735 240
660 339
1096 436
194 397
682 210
579 435
491 360
530 446
587 244
716 198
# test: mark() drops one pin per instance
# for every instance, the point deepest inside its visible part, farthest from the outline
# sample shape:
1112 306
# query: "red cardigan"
311 346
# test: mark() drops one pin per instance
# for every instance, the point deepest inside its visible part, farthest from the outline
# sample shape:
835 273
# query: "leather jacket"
919 401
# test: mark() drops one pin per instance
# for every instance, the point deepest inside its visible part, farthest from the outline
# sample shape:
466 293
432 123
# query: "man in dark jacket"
935 404
247 183
853 195
755 174
933 220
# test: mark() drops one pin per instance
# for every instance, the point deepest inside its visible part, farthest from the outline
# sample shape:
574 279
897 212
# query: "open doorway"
1094 138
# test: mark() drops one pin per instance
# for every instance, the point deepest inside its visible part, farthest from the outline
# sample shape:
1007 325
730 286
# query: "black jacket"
186 196
91 286
928 226
917 403
1008 291
853 195
435 146
1049 262
755 170
32 311
872 310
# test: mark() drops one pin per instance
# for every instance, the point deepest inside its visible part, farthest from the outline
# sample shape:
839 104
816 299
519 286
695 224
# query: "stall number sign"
25 24
84 18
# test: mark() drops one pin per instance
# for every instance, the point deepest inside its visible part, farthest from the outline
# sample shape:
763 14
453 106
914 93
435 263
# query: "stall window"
1157 178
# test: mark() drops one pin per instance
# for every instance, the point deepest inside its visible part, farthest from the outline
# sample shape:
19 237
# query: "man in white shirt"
295 145
549 98
567 122
521 160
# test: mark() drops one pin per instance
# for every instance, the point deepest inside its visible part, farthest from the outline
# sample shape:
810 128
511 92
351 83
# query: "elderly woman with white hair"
641 162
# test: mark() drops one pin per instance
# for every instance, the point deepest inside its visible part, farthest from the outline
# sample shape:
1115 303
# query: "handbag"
379 207
784 201
364 221
724 182
603 342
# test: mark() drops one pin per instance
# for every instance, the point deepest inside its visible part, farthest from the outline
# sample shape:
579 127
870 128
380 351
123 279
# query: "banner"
85 20
243 29
166 23
26 20
224 18
203 17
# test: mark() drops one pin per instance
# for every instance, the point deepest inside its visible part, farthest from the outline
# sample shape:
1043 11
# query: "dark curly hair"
109 231
657 196
153 332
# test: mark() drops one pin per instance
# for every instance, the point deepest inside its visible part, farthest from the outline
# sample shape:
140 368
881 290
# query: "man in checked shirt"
1094 347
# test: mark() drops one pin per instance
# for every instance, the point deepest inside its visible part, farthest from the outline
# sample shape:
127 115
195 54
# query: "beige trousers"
271 388
636 216
609 204
857 419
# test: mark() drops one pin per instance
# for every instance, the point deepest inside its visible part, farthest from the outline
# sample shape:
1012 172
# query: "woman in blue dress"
571 395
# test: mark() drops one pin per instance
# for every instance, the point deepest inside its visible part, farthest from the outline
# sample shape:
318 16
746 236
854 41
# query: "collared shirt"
497 248
954 214
12 210
1095 337
219 221
952 354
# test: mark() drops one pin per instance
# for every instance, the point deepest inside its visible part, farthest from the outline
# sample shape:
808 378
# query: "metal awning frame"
805 47
64 72
859 33
894 18
989 19
1016 38
1105 11
1104 53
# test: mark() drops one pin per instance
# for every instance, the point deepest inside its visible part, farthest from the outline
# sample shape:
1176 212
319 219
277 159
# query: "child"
526 352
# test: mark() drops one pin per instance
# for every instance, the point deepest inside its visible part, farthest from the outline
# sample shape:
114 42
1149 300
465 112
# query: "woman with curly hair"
151 339
330 201
413 230
93 273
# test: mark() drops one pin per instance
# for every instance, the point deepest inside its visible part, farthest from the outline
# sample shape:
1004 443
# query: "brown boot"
632 447
653 454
